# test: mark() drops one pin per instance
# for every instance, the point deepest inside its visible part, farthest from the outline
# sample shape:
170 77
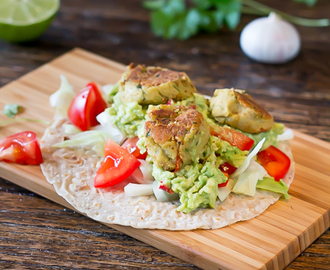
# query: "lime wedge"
24 20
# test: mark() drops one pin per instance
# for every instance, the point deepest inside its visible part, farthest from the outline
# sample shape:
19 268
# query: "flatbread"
72 171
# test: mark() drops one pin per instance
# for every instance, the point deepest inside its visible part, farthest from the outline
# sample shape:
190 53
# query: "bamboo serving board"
270 241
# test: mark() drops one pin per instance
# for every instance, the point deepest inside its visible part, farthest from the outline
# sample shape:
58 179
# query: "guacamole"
128 117
270 135
195 182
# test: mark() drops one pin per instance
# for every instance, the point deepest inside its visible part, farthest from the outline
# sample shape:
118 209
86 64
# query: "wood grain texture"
297 93
270 241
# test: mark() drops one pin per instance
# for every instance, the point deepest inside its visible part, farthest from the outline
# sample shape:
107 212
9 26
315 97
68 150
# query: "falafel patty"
237 109
175 135
154 85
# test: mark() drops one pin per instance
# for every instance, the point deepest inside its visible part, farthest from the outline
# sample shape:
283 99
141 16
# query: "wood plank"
270 241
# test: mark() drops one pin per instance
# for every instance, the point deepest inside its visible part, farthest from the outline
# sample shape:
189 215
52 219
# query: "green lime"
24 20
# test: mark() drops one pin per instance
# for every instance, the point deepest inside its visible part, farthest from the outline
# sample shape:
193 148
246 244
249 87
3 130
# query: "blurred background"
296 93
120 30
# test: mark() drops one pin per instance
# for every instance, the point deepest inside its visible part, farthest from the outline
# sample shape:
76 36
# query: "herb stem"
296 20
249 10
6 122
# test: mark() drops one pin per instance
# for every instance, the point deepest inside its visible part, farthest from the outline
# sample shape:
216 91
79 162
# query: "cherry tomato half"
21 148
86 106
275 162
130 146
118 165
227 168
235 138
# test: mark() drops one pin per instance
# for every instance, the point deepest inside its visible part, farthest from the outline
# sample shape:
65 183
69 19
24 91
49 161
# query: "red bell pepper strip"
234 137
275 162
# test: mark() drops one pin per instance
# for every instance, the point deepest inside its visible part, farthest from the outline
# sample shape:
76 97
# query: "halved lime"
24 20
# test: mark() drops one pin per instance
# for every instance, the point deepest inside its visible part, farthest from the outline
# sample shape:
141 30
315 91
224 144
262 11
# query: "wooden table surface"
37 234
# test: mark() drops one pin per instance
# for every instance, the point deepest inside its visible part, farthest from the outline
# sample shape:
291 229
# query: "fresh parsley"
175 19
11 110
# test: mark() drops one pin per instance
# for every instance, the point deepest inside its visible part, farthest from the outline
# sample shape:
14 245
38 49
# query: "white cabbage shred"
161 195
94 138
62 98
106 124
247 181
287 135
132 190
246 162
223 192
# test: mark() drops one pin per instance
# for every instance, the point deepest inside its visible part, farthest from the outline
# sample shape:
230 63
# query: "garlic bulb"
270 40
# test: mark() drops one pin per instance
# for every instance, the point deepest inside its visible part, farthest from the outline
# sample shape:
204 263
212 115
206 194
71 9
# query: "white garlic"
270 40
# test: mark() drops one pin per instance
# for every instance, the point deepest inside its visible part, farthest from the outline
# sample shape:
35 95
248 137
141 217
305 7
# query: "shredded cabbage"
246 162
287 135
132 190
269 183
146 170
70 129
223 192
106 124
94 138
62 98
161 195
143 174
247 181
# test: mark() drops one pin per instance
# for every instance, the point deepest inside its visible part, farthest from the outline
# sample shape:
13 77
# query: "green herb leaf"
154 5
218 16
160 22
190 24
203 4
175 7
233 19
11 110
172 19
232 12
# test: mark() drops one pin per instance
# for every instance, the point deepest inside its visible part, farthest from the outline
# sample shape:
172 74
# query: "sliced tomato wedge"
21 148
131 147
234 137
275 162
227 168
86 106
118 165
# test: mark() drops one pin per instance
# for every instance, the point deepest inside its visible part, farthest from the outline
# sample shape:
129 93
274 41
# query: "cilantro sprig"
11 110
175 19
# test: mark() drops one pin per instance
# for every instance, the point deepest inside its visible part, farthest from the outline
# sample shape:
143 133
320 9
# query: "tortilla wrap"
71 171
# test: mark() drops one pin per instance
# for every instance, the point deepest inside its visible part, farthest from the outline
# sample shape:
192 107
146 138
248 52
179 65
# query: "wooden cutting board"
270 241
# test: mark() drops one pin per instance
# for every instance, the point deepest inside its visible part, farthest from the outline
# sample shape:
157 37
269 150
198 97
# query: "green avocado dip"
128 117
270 135
195 183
